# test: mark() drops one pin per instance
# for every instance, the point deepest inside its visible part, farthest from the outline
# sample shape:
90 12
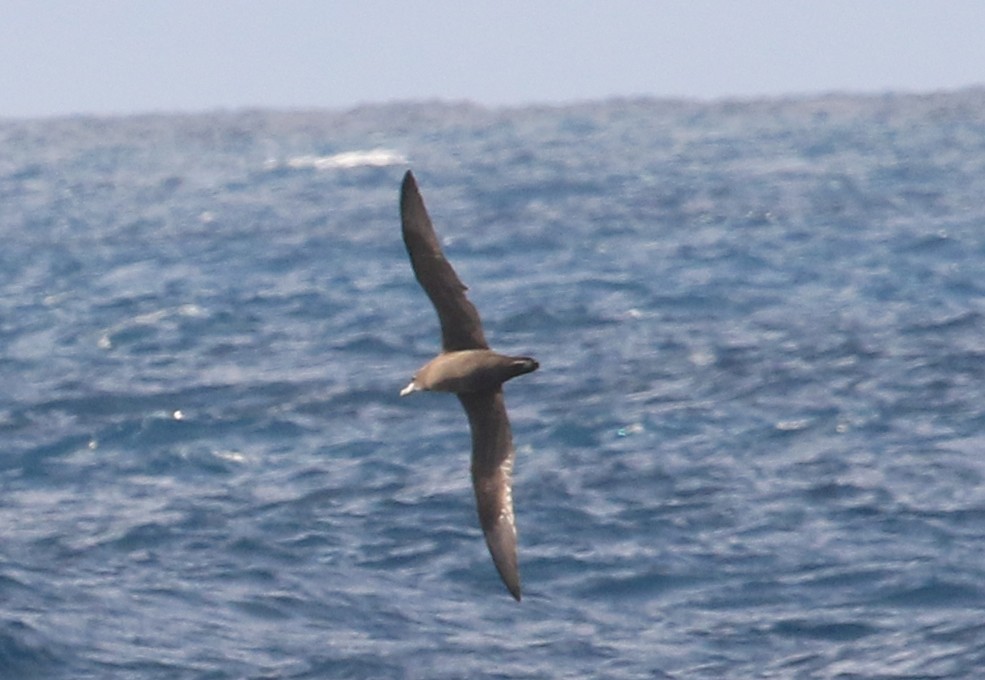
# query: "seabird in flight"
467 367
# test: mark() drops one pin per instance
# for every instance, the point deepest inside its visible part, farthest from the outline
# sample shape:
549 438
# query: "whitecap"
369 158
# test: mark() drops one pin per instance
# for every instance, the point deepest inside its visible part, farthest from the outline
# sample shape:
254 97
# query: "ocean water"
755 447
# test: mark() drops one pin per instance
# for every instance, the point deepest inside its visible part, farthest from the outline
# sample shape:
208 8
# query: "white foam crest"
370 158
154 318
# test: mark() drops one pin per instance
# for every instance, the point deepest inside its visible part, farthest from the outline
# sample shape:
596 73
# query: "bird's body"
467 367
468 370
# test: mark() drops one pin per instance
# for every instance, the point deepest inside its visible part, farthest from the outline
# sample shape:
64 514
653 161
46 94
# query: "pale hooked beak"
411 387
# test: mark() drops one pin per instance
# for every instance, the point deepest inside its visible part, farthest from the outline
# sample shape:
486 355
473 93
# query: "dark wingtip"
410 195
501 539
513 585
408 190
408 180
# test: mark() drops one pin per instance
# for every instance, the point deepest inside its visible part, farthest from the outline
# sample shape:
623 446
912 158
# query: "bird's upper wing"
461 327
492 467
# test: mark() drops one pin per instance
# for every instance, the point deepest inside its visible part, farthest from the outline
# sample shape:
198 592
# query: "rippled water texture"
754 448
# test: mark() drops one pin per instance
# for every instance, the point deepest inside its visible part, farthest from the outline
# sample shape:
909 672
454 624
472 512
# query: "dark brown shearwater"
467 367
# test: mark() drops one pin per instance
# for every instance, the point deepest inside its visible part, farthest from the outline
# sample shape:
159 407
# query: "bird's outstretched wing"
461 327
492 467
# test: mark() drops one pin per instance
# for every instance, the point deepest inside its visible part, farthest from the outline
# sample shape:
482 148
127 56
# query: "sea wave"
753 448
346 160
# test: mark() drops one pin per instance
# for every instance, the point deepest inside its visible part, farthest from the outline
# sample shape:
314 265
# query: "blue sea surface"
755 447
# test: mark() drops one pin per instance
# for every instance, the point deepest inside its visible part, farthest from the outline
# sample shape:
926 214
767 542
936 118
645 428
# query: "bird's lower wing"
492 468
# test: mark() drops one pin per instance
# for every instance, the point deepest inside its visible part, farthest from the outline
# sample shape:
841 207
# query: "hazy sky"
120 56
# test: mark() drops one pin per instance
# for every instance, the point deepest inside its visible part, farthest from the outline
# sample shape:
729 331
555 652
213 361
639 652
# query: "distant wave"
372 158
